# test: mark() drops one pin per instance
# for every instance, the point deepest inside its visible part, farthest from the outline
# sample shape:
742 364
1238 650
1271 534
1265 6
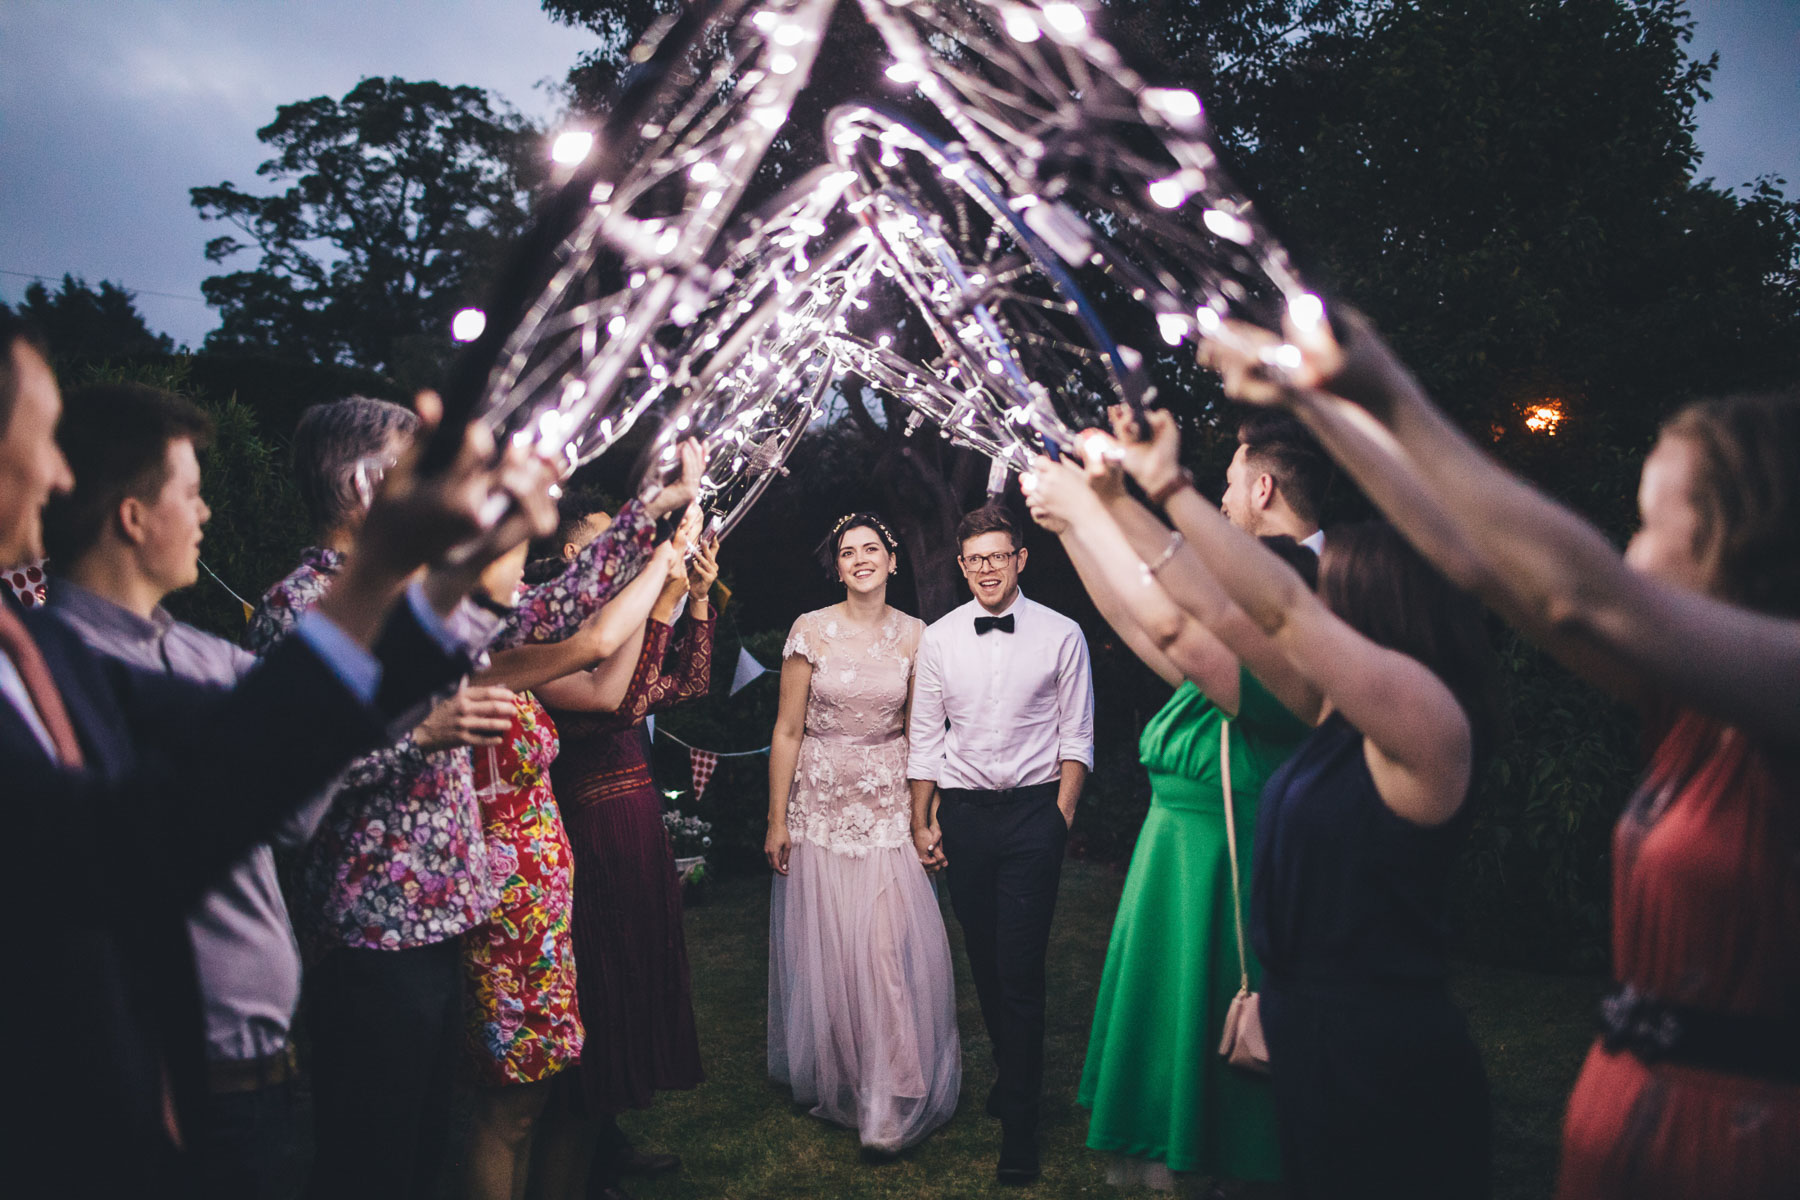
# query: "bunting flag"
703 762
748 671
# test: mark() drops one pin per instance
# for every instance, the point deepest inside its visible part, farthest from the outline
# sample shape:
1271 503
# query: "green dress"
1154 1079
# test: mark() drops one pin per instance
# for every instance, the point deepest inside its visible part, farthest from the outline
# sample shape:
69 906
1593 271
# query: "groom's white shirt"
1017 703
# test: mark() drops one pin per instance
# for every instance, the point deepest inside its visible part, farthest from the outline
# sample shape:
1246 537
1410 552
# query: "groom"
1002 734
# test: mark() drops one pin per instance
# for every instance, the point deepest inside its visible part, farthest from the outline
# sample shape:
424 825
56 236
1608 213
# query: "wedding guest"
862 999
398 870
1001 738
1379 1090
523 1024
125 537
1693 1089
1163 1099
631 959
156 785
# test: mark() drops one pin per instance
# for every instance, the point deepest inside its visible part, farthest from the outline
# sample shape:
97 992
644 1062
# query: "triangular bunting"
747 673
702 762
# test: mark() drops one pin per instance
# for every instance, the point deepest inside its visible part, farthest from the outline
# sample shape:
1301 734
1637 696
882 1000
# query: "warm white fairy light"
467 324
571 146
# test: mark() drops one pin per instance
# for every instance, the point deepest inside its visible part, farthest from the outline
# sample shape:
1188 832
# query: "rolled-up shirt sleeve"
1074 702
925 728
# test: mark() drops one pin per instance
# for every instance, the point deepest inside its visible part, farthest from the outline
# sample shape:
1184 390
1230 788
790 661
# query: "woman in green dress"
1162 1098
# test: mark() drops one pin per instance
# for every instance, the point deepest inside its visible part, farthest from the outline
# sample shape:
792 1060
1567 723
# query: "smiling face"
1673 543
992 564
863 561
167 525
32 467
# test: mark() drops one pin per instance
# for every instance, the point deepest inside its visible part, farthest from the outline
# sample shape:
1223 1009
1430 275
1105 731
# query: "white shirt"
1315 541
1018 704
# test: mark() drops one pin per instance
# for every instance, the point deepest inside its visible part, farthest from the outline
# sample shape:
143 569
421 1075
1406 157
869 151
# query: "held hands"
929 842
776 847
474 716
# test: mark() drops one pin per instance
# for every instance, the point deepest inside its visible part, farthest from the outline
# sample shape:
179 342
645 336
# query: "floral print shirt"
400 860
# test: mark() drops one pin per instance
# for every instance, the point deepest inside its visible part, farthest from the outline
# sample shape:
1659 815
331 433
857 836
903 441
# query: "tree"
402 195
85 322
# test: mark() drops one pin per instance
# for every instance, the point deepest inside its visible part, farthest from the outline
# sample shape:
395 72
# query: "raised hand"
703 569
684 490
1155 462
1058 493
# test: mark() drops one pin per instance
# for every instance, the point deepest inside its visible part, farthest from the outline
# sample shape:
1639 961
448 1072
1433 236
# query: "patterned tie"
35 672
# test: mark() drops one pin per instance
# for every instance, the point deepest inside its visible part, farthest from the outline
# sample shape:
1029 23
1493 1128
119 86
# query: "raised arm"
1540 565
598 639
1420 746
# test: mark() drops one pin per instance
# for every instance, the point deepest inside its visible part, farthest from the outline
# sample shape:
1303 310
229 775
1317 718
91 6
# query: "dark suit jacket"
180 780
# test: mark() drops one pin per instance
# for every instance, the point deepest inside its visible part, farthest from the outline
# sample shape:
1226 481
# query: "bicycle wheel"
624 239
1112 173
1001 304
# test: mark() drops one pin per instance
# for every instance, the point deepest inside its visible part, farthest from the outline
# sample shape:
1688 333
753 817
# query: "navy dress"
1379 1090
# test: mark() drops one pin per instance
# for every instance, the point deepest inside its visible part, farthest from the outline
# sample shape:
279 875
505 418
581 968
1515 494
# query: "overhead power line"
114 282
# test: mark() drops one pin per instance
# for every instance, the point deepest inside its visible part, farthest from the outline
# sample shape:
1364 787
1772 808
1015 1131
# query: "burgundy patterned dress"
523 1023
631 958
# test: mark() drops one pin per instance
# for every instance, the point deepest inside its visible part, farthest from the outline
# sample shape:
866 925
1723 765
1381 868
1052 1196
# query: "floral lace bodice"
849 793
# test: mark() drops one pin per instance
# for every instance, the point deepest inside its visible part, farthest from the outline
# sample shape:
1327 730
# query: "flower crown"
870 519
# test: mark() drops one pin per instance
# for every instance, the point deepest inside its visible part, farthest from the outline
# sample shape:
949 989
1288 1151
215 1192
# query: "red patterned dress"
1706 914
524 1023
628 938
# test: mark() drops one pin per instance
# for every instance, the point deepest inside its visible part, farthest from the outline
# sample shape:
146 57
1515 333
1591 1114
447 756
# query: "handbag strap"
1237 901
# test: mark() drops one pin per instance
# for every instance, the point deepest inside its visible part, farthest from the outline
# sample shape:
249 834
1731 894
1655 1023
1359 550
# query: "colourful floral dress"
399 860
523 1020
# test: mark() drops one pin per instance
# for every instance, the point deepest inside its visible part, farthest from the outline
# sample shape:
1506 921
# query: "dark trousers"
1005 854
386 1027
1379 1093
243 1144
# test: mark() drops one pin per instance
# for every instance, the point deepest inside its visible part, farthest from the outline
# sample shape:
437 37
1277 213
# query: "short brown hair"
1276 443
1381 587
116 437
1747 493
989 518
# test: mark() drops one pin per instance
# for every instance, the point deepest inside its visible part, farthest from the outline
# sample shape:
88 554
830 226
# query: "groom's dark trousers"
1005 851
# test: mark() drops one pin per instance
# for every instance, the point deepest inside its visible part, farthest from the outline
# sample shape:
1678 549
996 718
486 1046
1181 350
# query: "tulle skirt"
862 1003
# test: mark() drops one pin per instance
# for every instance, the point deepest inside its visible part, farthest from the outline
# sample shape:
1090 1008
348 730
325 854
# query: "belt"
865 739
252 1074
988 797
1733 1044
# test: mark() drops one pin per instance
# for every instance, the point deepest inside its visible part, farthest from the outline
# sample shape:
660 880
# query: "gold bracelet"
1150 569
1184 478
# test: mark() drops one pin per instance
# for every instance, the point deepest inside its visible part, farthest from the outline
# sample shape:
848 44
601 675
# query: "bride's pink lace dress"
862 1006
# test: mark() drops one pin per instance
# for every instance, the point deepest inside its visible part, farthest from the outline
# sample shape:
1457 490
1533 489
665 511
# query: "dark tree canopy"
400 196
93 323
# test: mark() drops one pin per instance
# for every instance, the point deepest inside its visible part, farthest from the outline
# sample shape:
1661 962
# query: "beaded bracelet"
1150 569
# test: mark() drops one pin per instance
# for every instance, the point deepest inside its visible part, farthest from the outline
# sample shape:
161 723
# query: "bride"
862 1008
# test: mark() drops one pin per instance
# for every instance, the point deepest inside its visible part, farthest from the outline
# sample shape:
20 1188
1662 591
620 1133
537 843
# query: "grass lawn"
740 1136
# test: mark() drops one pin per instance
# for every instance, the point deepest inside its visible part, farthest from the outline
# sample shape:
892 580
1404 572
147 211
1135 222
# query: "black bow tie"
1003 624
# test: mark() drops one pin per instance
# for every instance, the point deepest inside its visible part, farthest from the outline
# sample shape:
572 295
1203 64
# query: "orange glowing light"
1544 417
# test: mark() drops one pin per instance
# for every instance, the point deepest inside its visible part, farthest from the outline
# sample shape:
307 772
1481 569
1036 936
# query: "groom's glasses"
985 562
